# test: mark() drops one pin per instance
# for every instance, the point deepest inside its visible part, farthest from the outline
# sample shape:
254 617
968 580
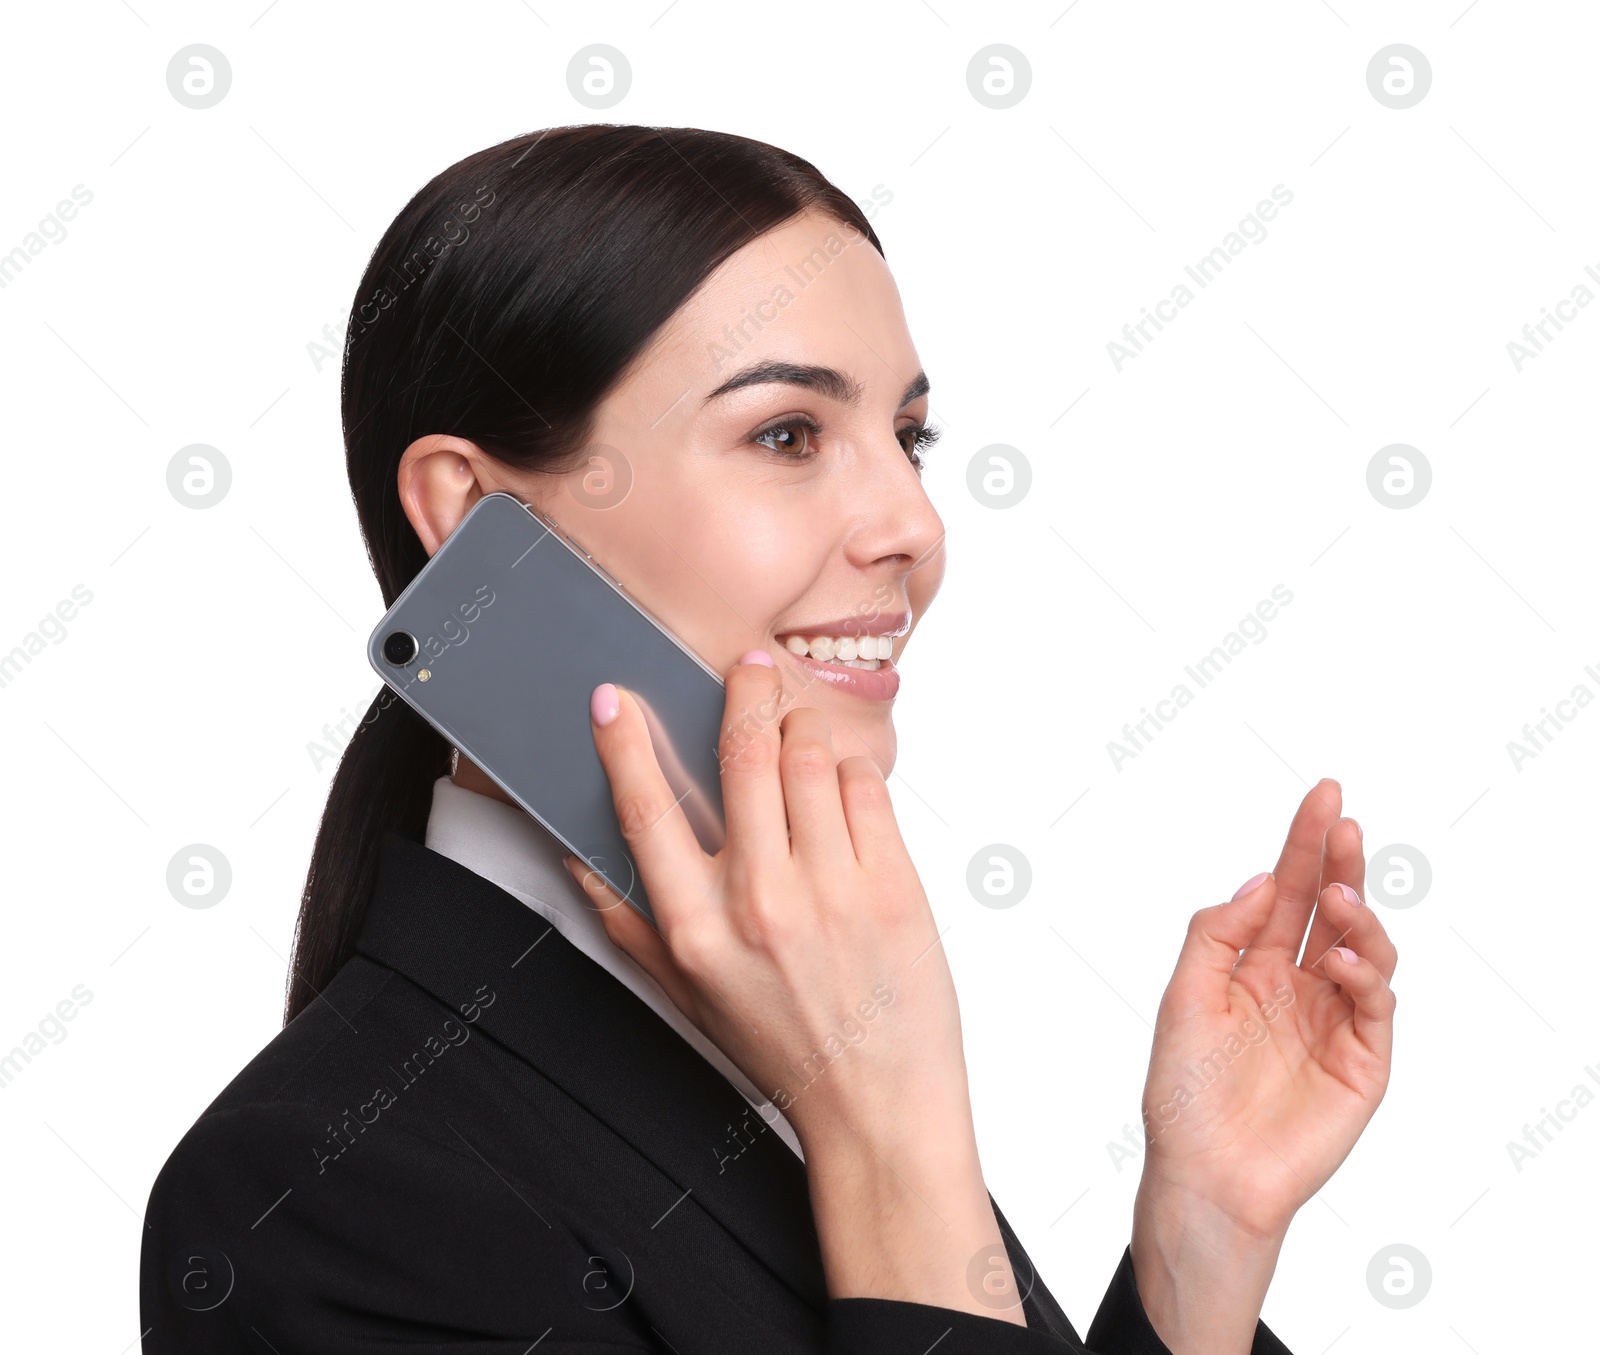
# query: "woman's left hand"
1266 1066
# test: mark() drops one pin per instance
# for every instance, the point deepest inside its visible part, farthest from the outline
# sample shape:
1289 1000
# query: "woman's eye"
794 440
916 439
791 439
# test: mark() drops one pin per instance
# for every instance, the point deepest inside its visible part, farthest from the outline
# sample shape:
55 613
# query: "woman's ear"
440 478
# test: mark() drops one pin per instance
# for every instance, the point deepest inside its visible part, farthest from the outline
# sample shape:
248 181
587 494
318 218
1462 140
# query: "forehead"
811 290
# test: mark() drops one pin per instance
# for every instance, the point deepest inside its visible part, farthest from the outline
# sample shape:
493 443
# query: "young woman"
504 1113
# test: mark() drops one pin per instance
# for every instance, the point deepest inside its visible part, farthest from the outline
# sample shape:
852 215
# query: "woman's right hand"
806 951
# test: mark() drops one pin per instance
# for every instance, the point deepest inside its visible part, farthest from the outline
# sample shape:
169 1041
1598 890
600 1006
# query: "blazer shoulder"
256 1223
287 1064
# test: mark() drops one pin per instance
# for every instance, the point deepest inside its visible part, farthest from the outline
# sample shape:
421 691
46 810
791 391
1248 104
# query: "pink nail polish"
756 656
1253 882
604 705
1350 895
1346 954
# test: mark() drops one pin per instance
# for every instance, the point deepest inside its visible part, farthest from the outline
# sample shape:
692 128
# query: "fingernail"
756 656
1346 954
604 705
1249 884
1359 833
1350 895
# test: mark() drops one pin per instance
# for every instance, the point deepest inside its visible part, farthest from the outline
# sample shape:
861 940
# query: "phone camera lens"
399 648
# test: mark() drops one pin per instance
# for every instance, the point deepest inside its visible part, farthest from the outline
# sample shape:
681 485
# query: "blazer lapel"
453 932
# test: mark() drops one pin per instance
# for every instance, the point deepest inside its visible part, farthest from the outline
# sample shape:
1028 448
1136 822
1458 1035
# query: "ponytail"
385 781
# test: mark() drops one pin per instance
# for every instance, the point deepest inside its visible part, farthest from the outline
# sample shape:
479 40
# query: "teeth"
852 651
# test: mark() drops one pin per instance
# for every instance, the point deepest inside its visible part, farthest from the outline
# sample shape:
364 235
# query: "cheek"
922 585
715 571
767 556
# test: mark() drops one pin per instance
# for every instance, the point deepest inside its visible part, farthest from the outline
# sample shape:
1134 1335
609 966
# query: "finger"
632 935
1343 863
1371 996
1349 922
1211 948
1344 856
674 869
1299 869
869 816
752 790
818 837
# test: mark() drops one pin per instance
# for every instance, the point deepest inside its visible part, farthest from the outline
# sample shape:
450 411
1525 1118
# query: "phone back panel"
515 628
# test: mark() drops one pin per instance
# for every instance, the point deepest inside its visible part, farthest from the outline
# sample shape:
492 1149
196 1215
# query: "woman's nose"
897 519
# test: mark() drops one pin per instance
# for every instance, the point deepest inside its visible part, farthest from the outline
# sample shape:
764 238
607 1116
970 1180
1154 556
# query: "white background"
1228 457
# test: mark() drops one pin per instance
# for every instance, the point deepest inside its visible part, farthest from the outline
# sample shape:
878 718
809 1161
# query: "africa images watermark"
1541 1133
752 723
851 1032
1538 734
52 626
1537 334
336 736
342 1133
454 627
1208 1070
52 230
50 1027
1137 736
1252 229
735 337
452 234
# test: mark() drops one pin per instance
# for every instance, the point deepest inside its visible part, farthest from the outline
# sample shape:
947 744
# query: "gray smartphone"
499 642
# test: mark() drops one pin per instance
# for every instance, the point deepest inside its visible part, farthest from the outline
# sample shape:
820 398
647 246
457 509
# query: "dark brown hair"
503 303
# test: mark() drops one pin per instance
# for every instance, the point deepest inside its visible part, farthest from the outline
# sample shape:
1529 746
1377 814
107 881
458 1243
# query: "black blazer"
479 1141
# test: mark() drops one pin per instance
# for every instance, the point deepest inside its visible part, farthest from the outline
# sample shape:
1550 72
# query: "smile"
853 651
852 655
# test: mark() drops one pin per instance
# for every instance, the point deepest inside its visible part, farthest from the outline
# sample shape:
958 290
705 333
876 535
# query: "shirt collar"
513 850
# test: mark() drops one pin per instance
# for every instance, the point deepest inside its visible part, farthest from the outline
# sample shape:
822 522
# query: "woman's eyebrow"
828 381
918 386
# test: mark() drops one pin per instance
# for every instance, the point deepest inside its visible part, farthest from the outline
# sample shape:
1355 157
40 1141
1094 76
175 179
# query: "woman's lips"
870 684
878 684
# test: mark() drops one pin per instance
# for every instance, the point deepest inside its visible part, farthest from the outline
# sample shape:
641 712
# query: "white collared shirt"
515 851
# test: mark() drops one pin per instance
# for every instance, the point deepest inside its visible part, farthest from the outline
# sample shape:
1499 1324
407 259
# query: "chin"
867 738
